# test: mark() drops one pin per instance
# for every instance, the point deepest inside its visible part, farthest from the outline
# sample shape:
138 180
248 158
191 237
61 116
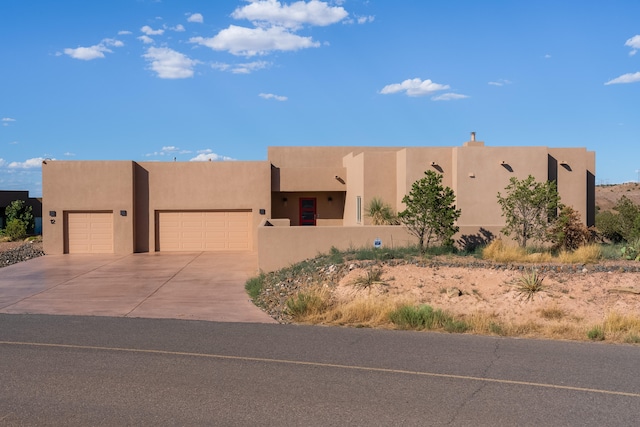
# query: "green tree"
608 225
621 225
18 210
430 213
528 207
381 213
629 218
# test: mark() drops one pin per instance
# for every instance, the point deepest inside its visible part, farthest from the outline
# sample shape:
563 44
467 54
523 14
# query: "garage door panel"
89 232
205 231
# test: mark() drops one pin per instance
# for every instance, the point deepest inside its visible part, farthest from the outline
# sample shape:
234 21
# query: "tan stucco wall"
355 188
477 196
572 166
69 186
296 244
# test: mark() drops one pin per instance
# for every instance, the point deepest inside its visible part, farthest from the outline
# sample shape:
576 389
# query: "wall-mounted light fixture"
340 180
434 164
123 213
472 175
52 213
263 211
564 163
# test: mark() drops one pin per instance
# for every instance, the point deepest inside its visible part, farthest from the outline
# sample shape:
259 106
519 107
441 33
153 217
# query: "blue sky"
152 80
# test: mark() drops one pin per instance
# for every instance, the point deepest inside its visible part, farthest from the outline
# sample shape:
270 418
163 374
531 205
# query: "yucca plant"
381 213
530 284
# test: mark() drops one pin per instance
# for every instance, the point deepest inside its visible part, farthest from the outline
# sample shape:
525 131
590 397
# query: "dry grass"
361 311
500 252
554 323
588 254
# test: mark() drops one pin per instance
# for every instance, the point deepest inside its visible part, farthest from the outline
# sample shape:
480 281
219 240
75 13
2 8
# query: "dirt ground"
583 297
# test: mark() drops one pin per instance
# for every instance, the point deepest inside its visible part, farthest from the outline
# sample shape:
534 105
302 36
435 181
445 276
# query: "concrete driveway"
198 285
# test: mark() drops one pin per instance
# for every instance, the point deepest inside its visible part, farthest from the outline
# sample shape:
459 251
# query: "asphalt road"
59 370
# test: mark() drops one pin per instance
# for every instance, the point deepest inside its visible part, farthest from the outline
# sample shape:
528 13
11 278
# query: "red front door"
308 211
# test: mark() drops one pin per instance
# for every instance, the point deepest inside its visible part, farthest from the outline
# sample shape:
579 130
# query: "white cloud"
145 39
170 149
209 155
6 121
272 96
547 56
170 64
35 162
634 44
255 41
500 82
220 66
178 28
2 162
414 87
625 78
294 15
448 97
366 19
95 51
195 17
69 154
245 68
150 31
124 33
248 67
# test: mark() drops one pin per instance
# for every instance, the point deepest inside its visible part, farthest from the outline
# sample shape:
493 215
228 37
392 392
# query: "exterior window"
358 209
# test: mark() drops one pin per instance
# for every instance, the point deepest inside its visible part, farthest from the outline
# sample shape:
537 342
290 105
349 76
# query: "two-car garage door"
204 231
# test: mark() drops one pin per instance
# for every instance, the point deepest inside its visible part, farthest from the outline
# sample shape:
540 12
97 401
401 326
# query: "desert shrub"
608 226
335 256
568 232
595 334
254 286
305 303
372 277
631 251
16 229
425 317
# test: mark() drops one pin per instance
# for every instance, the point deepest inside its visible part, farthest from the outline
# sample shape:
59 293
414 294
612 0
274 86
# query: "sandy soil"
585 297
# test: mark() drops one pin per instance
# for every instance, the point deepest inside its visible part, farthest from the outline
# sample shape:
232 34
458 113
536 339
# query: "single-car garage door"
89 232
205 231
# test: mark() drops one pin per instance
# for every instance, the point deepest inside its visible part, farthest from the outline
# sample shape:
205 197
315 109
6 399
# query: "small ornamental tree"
430 213
528 207
568 232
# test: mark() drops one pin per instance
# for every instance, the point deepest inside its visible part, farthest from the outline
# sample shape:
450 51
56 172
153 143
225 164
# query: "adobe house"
8 196
301 201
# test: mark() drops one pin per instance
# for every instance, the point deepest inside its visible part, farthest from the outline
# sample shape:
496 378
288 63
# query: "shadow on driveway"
193 285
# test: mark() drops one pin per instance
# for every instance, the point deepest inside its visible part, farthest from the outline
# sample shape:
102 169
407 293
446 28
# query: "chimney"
473 136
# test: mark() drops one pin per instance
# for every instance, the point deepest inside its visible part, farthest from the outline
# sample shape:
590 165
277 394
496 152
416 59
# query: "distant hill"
608 195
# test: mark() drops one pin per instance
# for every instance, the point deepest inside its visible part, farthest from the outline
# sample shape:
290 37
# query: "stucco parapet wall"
279 247
309 179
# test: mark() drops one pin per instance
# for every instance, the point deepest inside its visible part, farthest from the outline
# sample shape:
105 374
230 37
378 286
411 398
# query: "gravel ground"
15 252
